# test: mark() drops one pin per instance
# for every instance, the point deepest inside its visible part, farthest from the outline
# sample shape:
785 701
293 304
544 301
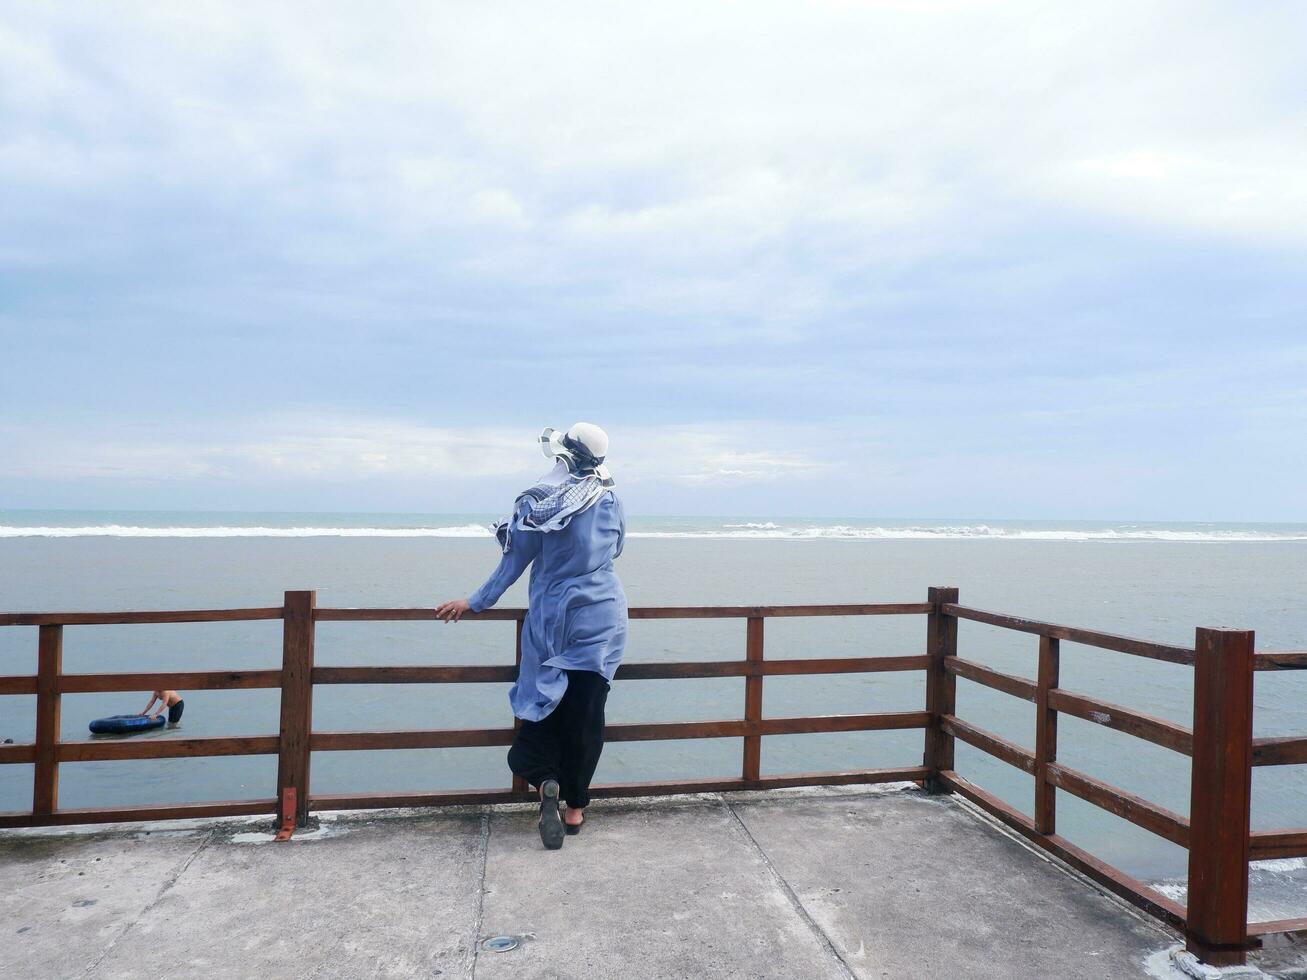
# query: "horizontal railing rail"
1159 731
191 680
1268 844
1136 809
140 617
1279 751
1214 920
1093 638
351 615
638 732
1281 660
1018 687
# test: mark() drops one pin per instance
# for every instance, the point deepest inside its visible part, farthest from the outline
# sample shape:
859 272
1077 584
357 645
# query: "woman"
569 527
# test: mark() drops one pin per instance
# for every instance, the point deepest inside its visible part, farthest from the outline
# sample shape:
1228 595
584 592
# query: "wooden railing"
1220 744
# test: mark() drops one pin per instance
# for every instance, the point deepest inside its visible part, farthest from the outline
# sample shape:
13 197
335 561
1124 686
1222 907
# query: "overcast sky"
837 259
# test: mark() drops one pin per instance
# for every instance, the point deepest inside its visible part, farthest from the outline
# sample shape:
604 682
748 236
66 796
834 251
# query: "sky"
902 259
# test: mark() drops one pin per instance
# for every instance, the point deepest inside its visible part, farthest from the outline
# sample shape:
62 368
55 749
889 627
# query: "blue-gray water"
1155 581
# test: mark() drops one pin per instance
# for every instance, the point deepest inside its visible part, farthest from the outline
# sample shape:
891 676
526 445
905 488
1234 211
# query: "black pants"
175 712
565 744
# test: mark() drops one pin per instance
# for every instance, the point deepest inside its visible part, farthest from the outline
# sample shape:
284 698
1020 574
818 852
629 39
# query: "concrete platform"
828 883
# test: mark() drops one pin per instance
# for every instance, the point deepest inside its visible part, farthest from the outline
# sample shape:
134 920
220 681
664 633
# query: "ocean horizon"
18 523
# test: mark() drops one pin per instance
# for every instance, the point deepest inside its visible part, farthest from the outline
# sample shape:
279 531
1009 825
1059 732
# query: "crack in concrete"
791 895
481 892
167 886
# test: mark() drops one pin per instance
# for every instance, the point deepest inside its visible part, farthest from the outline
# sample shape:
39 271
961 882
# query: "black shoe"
551 823
573 828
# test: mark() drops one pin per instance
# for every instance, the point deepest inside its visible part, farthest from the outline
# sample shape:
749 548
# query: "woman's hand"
452 611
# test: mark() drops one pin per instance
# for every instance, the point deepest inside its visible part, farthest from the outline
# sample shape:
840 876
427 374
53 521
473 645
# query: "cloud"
241 450
1257 193
681 138
328 245
347 449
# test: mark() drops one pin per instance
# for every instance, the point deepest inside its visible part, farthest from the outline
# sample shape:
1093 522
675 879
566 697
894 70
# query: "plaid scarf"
552 505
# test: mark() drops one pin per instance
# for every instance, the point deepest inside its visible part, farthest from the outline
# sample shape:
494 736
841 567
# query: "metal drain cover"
500 944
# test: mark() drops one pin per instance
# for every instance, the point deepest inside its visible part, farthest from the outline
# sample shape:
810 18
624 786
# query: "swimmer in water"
169 701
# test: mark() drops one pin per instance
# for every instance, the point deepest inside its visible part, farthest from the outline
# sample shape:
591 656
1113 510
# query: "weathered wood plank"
941 687
101 750
125 814
138 617
996 745
327 614
1281 660
843 665
1277 926
745 612
1140 812
1018 687
413 739
454 674
1072 634
296 700
479 674
45 782
21 684
190 680
812 724
1279 751
370 801
734 728
1046 734
752 763
1221 800
1268 844
1159 731
648 612
19 753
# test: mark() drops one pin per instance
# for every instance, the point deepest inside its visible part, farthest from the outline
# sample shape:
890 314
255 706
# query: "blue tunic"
576 609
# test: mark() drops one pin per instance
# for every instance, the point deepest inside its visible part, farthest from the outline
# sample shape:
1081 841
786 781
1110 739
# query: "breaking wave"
126 531
767 530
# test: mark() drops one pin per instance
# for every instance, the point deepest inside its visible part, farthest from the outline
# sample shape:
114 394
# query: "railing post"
296 701
1216 921
752 770
941 686
49 665
519 784
1046 735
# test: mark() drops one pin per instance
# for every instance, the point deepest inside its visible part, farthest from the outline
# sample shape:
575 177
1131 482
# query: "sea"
1153 580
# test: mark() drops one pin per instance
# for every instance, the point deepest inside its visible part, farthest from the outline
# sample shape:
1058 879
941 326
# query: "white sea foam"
126 531
977 532
747 531
1281 865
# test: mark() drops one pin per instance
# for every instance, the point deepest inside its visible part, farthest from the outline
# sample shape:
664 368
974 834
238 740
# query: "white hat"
583 447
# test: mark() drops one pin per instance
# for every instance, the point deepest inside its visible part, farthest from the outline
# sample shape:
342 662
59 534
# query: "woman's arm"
525 546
